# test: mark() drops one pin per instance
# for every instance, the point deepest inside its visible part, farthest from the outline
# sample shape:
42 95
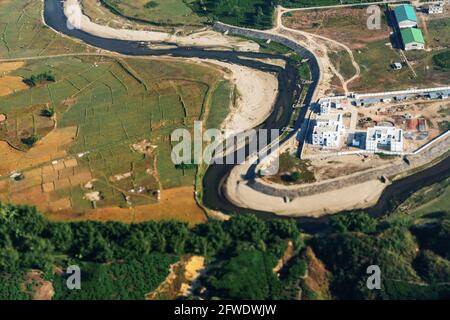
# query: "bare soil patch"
39 288
348 26
177 204
178 282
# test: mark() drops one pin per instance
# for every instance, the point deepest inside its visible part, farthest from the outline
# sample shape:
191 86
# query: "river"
289 93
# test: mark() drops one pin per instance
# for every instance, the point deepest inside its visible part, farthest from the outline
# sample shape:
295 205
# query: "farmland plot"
108 144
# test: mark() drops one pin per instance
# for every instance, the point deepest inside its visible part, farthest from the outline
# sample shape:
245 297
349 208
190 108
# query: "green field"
116 103
246 13
426 202
438 33
161 12
22 33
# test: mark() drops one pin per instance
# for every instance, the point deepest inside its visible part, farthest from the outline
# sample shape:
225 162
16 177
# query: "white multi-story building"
384 139
328 130
436 8
327 105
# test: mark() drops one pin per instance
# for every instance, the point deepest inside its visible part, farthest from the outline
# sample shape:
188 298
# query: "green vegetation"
130 280
40 78
24 35
438 33
137 254
48 112
223 94
11 285
115 104
31 140
158 12
244 13
392 247
121 261
293 170
316 3
247 276
343 62
442 60
353 222
151 5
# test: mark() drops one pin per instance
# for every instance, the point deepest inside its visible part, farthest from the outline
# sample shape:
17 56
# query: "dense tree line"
356 241
241 254
29 241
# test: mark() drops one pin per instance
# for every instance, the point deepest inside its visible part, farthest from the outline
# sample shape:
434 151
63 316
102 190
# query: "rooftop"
322 129
405 12
412 35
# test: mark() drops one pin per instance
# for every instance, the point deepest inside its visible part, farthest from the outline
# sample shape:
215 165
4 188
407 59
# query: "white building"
436 8
327 105
328 130
384 139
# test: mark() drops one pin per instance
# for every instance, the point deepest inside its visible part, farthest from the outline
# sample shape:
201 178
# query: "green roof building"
412 39
406 16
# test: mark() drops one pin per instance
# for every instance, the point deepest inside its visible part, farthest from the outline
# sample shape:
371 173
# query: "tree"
31 140
353 222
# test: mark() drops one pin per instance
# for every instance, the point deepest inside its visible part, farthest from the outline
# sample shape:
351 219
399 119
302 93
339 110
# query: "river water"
289 93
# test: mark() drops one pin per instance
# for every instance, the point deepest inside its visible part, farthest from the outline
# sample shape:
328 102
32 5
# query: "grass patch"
160 12
442 60
244 13
130 280
293 171
115 104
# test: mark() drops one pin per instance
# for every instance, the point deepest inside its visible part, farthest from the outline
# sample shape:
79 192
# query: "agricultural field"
22 33
245 13
372 49
106 151
158 12
426 204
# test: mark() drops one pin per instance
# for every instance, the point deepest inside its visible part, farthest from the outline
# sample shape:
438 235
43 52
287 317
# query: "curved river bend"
289 93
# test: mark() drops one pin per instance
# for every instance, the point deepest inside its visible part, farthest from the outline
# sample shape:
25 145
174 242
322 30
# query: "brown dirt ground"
52 146
11 84
348 25
6 67
40 288
177 204
288 253
178 282
318 279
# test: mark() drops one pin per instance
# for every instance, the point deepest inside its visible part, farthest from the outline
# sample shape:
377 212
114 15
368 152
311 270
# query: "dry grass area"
340 166
6 67
175 204
10 84
179 281
318 277
51 147
287 255
348 26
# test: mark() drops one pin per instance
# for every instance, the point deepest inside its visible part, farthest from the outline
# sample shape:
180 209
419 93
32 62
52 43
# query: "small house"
405 15
412 39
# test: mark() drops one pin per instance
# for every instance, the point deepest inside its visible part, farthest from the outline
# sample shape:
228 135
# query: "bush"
442 60
31 140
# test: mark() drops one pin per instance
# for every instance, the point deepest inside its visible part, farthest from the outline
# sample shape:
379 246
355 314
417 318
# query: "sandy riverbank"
77 19
256 96
356 196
